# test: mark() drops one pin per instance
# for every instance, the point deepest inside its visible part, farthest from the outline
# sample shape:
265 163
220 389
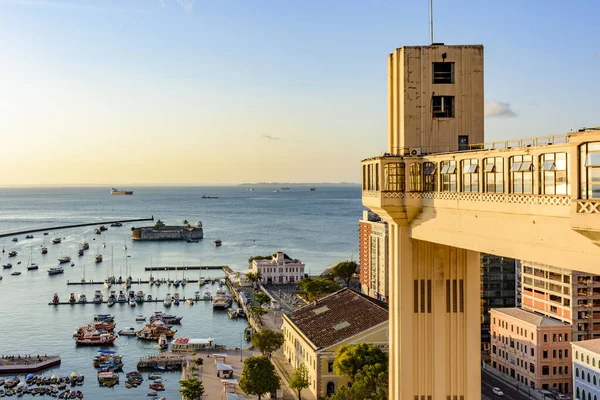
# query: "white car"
497 391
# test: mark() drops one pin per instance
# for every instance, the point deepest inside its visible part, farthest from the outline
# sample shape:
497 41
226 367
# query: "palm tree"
185 222
191 389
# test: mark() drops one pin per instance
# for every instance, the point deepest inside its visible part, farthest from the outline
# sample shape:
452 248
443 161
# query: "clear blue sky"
183 91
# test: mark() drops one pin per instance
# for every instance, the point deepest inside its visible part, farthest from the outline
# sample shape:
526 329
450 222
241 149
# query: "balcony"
505 192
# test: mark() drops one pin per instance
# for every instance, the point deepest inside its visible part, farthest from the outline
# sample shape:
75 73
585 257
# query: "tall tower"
435 98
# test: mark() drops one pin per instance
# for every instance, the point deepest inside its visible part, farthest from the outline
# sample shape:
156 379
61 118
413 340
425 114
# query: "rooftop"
338 316
591 345
529 317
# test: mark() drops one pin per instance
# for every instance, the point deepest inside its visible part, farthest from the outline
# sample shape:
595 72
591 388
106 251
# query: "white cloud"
269 137
188 5
494 108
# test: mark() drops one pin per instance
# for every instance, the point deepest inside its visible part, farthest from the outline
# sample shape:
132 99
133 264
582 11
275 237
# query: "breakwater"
54 228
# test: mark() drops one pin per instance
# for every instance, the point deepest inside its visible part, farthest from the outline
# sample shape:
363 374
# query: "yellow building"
315 332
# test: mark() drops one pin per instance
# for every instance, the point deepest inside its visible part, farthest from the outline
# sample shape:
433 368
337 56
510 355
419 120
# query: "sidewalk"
285 371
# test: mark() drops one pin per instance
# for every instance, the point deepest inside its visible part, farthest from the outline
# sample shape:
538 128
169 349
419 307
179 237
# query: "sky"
145 92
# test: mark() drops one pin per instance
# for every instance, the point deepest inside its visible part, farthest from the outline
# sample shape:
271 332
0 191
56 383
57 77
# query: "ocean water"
320 228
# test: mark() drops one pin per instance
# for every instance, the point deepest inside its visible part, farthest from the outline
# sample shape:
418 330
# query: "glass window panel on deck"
593 159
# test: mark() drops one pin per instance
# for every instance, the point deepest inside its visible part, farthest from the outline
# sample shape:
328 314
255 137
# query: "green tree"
345 270
300 379
258 377
253 277
315 288
355 392
191 389
257 312
261 298
267 341
349 360
159 224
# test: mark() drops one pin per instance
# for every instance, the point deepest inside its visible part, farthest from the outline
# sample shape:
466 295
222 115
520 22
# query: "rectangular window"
429 178
393 174
494 175
589 164
553 176
443 72
463 142
470 176
448 176
416 180
545 370
442 106
521 171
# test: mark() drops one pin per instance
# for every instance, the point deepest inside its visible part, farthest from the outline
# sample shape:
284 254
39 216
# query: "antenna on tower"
431 20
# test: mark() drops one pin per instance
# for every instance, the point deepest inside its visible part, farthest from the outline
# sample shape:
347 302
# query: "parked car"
497 391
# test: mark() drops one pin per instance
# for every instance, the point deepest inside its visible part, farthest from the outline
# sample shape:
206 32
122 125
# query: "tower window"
443 72
443 106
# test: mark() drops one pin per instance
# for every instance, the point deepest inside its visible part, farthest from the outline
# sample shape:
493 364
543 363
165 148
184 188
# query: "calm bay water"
318 227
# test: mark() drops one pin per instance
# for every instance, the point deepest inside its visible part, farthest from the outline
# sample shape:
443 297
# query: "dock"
133 282
186 268
168 361
159 300
54 228
22 364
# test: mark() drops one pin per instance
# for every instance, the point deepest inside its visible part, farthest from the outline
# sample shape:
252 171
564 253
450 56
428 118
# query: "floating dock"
135 282
54 228
25 364
186 268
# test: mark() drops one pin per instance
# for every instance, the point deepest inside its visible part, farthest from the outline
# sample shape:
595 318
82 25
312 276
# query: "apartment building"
531 348
569 296
497 291
586 369
373 255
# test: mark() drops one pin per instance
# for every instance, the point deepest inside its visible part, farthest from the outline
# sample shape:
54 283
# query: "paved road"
488 381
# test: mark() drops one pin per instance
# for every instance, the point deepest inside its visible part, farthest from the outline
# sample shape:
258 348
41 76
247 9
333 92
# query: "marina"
186 268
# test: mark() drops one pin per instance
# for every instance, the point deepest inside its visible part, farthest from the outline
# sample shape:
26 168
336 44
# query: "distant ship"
312 189
210 197
285 188
121 192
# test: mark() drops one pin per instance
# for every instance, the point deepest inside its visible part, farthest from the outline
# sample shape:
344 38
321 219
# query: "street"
488 381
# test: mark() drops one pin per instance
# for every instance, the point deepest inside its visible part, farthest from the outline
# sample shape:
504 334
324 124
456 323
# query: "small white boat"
139 296
167 300
122 298
207 294
44 250
140 318
56 270
201 281
64 259
98 297
81 298
16 273
132 302
84 246
56 240
98 258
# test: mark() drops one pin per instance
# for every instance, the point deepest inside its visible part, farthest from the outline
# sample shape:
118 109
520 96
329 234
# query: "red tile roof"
338 316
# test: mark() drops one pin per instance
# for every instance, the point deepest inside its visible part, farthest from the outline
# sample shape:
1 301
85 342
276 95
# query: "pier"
158 300
54 228
134 282
168 361
186 268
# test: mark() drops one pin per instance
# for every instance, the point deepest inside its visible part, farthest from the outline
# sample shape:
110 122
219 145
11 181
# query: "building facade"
279 269
497 291
531 348
586 369
315 332
564 294
373 255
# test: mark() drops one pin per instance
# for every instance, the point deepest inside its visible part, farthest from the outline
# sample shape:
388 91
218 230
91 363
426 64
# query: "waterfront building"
497 291
586 369
569 296
160 231
531 348
447 197
279 269
315 332
373 255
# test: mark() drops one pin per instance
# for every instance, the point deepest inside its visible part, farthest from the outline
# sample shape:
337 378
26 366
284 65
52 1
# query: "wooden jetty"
168 361
186 268
158 300
54 228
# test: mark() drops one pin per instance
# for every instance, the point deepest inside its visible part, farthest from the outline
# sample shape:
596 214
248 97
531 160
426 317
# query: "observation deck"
534 199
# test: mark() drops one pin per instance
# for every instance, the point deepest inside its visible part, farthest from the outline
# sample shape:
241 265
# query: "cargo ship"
121 192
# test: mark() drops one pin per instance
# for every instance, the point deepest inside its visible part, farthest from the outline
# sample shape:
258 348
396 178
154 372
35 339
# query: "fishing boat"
15 239
167 300
139 296
44 250
80 252
95 339
64 259
140 318
103 228
97 231
15 273
98 297
72 298
312 189
7 266
98 258
222 299
163 344
112 299
81 298
55 299
232 313
56 240
104 317
154 330
207 294
122 298
108 379
84 245
55 270
29 237
166 318
32 266
108 360
117 224
12 253
218 242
